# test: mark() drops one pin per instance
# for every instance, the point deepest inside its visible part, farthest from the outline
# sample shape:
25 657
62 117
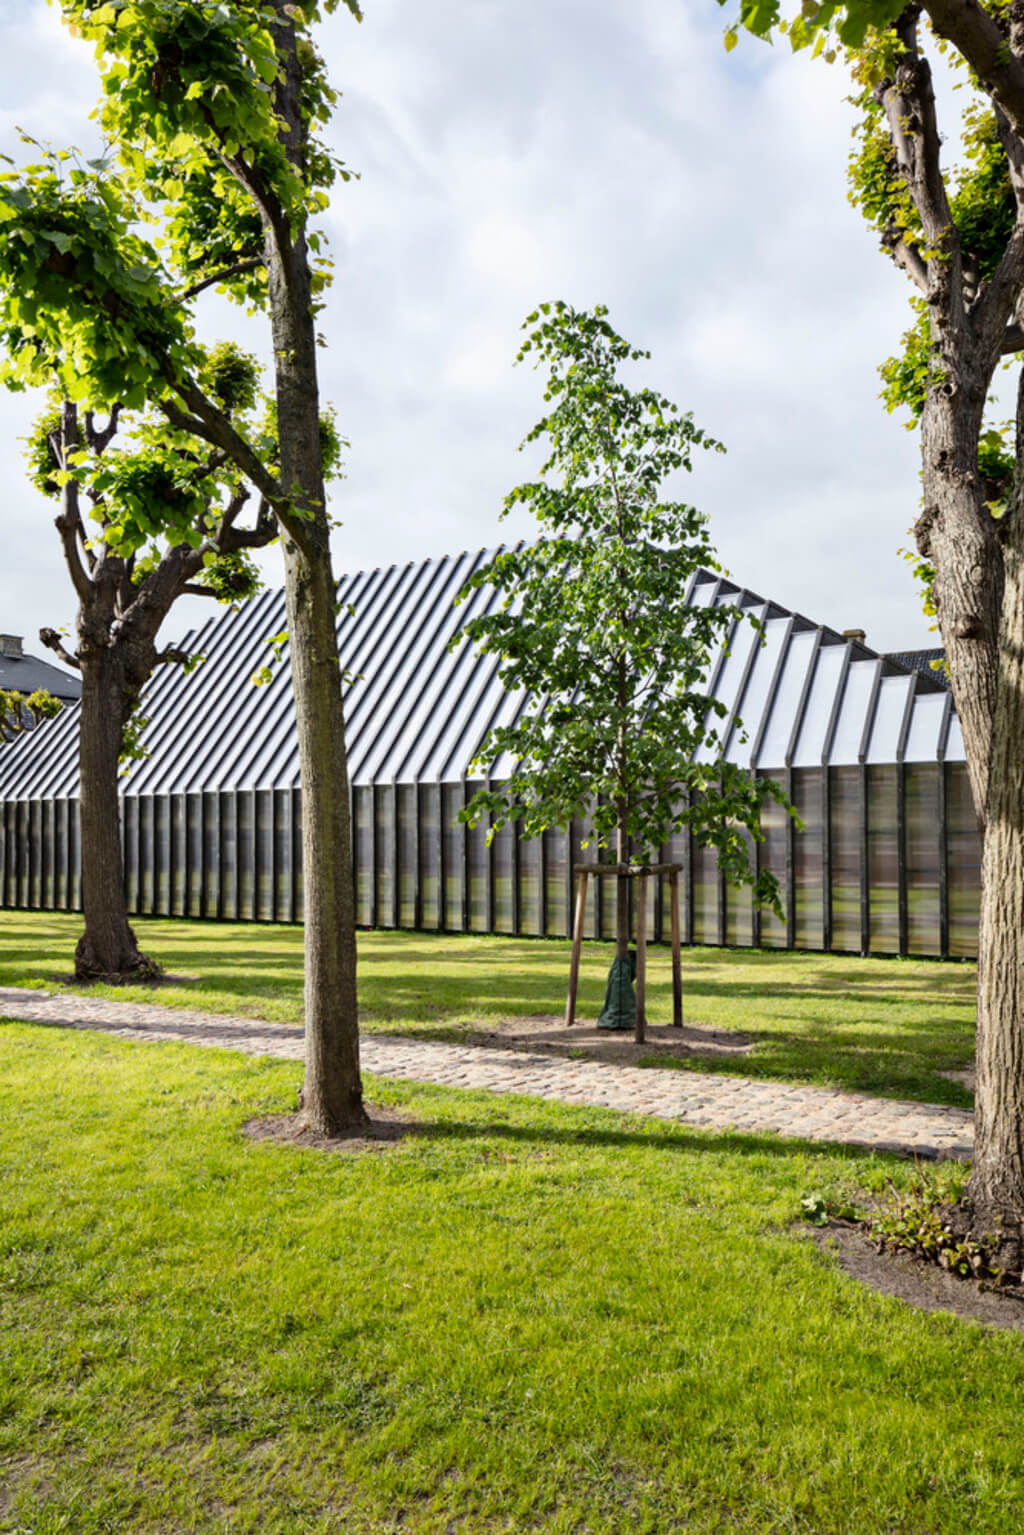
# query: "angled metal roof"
418 706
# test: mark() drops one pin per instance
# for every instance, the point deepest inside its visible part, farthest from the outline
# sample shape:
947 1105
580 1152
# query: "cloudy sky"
597 151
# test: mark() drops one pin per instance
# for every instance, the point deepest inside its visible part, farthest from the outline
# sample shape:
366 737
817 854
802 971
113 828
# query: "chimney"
10 645
857 635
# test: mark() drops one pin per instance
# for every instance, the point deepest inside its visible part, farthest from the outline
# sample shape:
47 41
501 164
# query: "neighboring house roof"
921 661
27 674
416 710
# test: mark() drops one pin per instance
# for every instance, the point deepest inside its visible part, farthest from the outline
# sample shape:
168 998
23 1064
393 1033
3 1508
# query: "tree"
595 626
957 230
23 711
161 519
213 111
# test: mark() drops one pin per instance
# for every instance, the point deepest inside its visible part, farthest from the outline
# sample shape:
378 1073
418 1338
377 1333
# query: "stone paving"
703 1099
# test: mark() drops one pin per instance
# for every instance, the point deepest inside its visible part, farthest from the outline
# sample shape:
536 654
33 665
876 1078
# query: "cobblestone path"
705 1099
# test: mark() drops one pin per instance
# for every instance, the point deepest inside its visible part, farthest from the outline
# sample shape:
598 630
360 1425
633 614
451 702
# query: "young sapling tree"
594 626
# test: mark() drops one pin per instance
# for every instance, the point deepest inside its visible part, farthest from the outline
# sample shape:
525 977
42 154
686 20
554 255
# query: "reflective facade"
868 750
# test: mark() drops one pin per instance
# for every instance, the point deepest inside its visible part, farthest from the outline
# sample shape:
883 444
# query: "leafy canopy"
593 623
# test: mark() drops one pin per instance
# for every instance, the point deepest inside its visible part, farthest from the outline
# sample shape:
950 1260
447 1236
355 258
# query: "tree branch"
908 101
97 441
998 303
248 265
975 33
213 426
52 640
171 656
906 255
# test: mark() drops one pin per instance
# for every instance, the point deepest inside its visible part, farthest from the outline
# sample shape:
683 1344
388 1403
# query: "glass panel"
60 894
130 845
407 855
739 906
194 839
228 857
430 870
46 893
963 854
265 855
211 853
384 847
672 852
246 851
743 641
923 834
296 841
503 849
820 703
283 855
75 852
954 741
755 696
147 859
478 866
883 861
362 797
774 821
555 866
845 846
849 732
529 885
162 851
705 895
923 738
807 864
178 855
453 833
787 699
889 712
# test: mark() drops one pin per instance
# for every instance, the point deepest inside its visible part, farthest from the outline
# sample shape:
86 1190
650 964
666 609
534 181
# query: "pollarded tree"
594 624
141 524
213 110
956 227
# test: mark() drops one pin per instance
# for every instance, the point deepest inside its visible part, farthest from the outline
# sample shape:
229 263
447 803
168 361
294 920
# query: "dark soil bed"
546 1034
918 1283
386 1127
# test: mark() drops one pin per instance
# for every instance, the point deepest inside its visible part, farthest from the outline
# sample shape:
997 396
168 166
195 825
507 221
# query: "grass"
524 1317
885 1026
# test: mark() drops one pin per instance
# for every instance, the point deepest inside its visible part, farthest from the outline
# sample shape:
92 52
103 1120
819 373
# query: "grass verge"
521 1318
885 1026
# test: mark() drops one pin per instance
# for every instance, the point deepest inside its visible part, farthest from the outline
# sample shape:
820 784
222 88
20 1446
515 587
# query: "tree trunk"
332 1097
108 948
996 1190
979 592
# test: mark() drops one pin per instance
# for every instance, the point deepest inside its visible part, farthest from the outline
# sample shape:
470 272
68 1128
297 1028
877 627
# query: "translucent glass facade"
888 857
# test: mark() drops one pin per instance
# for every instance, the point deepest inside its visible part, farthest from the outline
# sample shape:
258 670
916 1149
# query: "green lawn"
520 1318
885 1026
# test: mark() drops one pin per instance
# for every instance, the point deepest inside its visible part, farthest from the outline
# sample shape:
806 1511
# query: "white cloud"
598 152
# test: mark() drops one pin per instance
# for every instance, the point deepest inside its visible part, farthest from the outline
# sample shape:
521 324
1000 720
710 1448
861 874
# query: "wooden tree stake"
677 964
641 959
577 945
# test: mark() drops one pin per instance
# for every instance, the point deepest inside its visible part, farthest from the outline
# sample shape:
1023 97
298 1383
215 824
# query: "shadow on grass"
682 1139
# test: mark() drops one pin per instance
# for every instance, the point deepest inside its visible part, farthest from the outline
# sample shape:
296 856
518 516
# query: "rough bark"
119 617
107 948
978 587
332 1097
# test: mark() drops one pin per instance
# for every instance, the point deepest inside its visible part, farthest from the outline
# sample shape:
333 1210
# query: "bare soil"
919 1283
387 1126
546 1034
